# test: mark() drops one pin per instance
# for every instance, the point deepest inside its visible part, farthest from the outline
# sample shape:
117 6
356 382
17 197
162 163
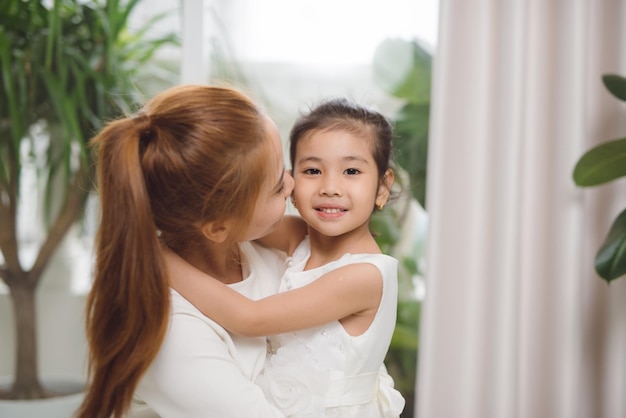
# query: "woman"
200 172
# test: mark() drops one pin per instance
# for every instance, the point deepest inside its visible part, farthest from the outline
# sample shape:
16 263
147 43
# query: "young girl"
333 319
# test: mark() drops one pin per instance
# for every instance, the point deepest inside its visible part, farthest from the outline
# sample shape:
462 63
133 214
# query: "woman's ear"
216 231
384 188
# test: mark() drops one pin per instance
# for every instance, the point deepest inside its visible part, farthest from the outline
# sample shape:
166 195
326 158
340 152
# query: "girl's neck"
218 261
325 249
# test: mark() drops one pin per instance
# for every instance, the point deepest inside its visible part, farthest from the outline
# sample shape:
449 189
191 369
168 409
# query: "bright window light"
326 32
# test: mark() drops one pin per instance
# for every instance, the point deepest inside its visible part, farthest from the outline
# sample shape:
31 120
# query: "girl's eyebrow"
346 158
355 158
309 159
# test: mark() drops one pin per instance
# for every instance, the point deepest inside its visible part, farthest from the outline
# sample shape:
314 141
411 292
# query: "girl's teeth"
331 210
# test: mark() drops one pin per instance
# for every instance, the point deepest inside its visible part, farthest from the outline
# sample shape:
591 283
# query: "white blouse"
201 371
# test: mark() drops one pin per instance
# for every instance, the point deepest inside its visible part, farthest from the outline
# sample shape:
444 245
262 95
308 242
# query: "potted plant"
66 66
599 165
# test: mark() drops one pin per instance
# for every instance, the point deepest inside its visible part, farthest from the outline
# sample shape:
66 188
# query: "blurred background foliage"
66 68
403 70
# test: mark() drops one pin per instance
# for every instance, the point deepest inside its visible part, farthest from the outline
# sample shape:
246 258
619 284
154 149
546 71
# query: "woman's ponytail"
128 306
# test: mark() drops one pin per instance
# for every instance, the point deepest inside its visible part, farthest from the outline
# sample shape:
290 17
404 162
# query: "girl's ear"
384 188
216 231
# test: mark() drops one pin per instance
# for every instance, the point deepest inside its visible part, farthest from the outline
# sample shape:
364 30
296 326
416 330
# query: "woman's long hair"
194 154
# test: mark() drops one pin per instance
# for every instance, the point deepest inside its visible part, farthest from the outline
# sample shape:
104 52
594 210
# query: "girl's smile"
331 211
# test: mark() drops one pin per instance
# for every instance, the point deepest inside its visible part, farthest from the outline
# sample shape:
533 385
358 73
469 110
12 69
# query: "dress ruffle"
390 400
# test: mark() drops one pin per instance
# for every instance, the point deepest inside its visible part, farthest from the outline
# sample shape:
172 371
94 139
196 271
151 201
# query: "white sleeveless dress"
324 371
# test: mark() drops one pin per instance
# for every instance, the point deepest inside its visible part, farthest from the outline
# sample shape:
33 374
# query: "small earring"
380 207
293 203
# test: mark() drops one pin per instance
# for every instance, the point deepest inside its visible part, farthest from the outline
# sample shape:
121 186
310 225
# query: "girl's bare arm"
286 237
340 293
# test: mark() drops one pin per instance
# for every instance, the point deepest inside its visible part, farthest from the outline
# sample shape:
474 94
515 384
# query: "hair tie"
142 122
143 125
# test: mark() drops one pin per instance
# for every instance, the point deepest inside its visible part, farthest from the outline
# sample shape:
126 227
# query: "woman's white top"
324 371
202 371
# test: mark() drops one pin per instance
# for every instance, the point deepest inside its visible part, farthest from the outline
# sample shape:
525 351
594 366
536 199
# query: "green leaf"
611 257
410 265
601 164
615 84
11 95
406 333
69 65
403 69
386 231
409 312
411 143
404 337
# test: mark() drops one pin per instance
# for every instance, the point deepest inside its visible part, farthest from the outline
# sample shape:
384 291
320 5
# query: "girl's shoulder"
382 261
385 265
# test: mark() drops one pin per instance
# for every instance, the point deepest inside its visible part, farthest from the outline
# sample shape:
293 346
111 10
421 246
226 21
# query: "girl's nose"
330 187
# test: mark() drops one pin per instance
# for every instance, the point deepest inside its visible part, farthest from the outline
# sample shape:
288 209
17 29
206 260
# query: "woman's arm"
195 375
287 235
349 290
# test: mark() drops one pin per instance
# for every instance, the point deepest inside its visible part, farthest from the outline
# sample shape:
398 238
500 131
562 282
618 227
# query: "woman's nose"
289 183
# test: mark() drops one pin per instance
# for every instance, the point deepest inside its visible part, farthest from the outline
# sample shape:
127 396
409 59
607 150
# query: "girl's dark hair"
194 154
342 114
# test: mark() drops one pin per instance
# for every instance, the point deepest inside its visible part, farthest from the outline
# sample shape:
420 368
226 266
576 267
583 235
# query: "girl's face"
270 206
337 184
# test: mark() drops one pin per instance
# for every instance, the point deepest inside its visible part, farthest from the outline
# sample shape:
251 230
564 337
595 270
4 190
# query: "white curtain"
516 324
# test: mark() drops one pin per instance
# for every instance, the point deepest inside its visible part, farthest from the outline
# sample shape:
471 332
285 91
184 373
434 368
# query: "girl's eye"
311 171
352 171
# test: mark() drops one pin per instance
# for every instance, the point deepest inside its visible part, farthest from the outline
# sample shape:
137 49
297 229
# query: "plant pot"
139 409
62 406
